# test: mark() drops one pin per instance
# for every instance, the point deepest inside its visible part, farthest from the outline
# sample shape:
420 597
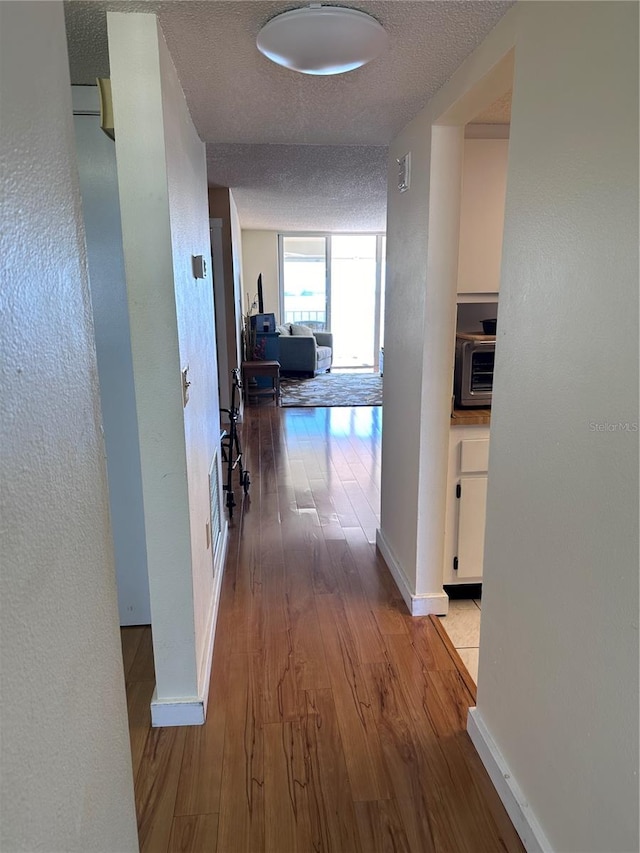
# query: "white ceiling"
299 152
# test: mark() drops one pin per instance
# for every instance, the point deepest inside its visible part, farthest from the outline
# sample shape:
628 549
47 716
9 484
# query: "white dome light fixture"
322 40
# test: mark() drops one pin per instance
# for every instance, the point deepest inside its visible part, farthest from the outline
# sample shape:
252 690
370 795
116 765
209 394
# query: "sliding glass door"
353 300
335 282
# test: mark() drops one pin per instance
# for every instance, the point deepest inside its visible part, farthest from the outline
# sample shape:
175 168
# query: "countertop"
469 417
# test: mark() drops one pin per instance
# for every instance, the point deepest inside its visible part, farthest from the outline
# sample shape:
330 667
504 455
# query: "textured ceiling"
270 131
288 184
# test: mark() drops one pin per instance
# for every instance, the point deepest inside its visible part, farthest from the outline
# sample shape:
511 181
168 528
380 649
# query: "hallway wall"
420 310
165 222
558 677
66 780
557 714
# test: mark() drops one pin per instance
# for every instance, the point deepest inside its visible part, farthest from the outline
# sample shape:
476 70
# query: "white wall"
101 215
420 311
260 255
163 199
189 217
558 681
66 776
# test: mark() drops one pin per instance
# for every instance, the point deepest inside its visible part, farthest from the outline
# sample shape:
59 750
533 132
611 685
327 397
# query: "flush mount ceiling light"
322 39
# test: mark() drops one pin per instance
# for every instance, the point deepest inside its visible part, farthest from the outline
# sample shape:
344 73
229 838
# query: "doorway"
477 182
98 175
336 282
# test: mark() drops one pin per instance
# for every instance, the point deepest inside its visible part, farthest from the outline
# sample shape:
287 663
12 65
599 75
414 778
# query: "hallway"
336 722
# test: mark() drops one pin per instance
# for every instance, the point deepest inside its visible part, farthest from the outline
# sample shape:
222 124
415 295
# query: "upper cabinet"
484 182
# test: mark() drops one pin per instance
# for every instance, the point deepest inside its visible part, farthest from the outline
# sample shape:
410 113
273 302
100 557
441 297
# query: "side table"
257 370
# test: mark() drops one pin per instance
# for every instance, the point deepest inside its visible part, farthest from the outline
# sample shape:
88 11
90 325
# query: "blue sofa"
301 350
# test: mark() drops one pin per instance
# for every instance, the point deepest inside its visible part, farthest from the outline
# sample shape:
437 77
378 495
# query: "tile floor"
462 624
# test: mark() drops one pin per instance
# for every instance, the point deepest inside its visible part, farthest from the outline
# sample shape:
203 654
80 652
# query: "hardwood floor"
336 721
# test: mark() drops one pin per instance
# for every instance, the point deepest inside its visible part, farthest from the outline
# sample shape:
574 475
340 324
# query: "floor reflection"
362 421
338 421
338 449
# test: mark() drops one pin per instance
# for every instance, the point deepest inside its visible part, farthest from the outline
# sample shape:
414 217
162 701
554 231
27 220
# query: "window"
304 281
336 282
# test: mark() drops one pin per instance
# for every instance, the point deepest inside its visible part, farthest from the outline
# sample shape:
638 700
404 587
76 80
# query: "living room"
329 287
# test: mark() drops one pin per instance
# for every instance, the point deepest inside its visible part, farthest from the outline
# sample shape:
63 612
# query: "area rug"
333 389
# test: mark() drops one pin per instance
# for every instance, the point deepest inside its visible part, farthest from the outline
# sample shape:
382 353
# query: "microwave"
473 372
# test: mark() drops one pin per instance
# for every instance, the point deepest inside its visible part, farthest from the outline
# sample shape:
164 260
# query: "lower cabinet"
472 508
466 504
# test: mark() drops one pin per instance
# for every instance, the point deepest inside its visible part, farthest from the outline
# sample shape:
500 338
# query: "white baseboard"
193 712
177 712
204 676
514 801
419 605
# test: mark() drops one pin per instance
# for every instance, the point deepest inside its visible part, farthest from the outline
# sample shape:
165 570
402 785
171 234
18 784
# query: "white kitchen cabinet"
484 183
466 504
472 510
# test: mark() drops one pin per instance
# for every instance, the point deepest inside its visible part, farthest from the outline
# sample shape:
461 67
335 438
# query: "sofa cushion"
285 329
301 331
323 359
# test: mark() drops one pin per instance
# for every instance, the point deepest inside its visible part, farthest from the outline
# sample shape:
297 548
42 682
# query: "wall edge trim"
524 820
193 712
436 603
176 712
213 617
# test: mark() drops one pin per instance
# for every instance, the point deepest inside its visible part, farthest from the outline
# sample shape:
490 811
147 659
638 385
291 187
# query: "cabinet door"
484 183
471 524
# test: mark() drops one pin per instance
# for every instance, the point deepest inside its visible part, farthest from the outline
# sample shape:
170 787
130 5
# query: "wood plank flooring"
336 722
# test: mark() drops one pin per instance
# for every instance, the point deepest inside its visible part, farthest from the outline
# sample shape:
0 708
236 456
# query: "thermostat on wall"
404 172
199 266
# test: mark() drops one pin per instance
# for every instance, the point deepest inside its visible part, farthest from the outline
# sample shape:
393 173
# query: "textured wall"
189 214
162 181
407 222
558 683
66 767
146 233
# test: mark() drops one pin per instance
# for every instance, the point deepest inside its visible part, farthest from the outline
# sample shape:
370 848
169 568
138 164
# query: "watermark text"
615 426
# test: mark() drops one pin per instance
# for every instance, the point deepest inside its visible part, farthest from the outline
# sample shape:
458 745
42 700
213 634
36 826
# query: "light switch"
185 386
404 172
199 266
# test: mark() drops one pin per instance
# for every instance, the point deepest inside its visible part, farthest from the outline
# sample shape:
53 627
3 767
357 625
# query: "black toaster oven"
473 373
